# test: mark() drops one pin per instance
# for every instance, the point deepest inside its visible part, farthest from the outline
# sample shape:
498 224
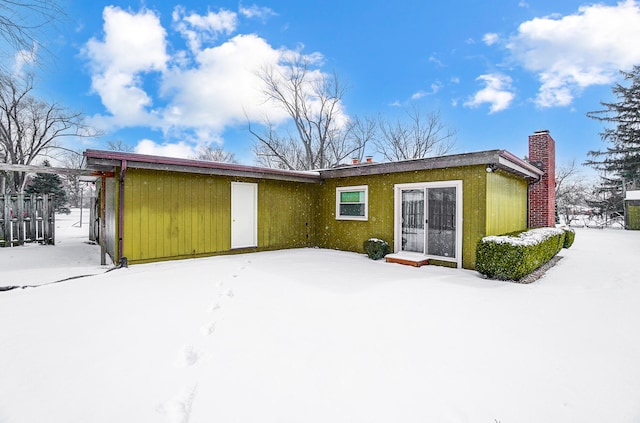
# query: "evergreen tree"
620 162
48 183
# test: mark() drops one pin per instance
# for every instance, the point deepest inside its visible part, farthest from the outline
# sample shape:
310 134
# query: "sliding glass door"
413 220
441 233
428 220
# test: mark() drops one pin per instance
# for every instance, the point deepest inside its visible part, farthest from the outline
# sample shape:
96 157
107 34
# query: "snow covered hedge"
376 248
514 256
569 237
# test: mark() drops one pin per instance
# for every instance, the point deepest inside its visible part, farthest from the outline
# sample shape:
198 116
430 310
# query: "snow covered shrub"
375 248
569 237
514 256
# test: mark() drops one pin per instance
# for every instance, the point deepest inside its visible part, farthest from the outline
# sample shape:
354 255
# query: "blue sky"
166 77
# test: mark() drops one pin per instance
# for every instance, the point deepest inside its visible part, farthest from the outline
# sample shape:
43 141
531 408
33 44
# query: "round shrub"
376 248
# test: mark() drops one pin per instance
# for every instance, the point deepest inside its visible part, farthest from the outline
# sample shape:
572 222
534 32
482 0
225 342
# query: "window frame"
357 188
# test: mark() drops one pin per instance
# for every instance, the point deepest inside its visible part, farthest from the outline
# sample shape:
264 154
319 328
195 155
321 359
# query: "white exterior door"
428 219
244 215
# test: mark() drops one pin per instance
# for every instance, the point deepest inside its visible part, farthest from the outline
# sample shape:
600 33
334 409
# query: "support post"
123 172
103 225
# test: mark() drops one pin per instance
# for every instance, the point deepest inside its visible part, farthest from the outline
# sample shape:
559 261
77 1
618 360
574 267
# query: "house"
632 210
159 208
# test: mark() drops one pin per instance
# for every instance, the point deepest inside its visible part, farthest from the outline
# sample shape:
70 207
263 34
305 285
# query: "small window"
352 203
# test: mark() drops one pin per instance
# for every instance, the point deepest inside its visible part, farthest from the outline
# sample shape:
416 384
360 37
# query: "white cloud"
419 94
134 43
435 87
192 95
122 95
199 29
180 150
24 58
497 92
434 59
223 86
490 38
570 53
255 11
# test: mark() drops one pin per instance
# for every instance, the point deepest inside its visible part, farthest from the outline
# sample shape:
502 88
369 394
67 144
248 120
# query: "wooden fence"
26 218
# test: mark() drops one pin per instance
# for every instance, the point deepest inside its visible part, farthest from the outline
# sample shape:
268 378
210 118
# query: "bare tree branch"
215 154
571 192
31 128
421 135
320 135
23 22
119 145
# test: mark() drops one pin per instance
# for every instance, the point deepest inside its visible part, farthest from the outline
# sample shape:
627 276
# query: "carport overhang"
107 161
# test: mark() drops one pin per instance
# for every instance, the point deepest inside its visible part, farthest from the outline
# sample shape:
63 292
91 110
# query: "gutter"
520 166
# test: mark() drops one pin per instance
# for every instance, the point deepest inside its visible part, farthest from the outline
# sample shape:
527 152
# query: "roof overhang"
498 159
99 160
106 161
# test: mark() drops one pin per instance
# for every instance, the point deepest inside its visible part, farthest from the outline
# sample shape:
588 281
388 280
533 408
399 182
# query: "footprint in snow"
178 409
220 284
187 356
208 328
229 294
215 307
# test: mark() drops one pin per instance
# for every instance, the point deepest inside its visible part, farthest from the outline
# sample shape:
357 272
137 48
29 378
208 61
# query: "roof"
99 160
106 160
496 159
633 195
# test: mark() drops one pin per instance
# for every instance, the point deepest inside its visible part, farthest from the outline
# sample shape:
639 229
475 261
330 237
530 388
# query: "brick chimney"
542 194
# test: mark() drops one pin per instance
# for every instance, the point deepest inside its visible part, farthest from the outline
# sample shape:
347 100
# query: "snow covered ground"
36 264
313 335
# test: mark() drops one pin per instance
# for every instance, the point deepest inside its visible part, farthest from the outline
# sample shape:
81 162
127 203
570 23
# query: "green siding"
349 235
172 215
633 217
286 214
506 203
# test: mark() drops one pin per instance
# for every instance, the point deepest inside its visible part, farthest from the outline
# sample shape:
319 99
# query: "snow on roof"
633 195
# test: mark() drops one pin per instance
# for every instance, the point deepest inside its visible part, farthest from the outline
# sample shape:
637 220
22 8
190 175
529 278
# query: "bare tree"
215 154
359 132
30 128
119 145
419 135
320 135
571 192
22 21
71 181
276 151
